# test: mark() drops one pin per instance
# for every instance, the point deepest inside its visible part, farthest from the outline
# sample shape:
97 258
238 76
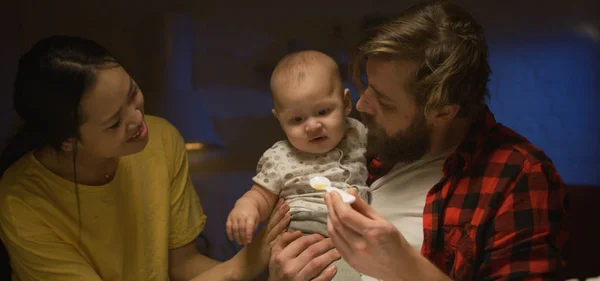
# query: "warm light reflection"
194 146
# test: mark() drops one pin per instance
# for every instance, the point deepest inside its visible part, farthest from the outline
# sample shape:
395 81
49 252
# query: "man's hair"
448 46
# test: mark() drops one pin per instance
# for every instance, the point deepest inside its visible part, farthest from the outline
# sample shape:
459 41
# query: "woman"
93 189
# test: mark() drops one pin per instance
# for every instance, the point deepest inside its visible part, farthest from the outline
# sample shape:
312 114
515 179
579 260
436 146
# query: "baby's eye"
323 112
297 120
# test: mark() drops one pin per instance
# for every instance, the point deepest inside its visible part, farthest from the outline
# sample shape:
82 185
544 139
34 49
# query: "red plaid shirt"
499 211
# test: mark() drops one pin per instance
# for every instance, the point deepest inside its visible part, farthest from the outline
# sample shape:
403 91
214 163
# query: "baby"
312 107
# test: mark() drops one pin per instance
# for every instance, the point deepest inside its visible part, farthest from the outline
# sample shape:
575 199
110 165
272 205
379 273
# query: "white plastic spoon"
323 183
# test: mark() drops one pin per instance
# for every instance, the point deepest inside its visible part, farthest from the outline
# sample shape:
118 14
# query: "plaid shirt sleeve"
528 234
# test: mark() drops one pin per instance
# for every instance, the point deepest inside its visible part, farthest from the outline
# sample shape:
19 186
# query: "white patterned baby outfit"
286 171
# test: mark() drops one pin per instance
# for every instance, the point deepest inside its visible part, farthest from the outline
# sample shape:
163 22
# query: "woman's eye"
116 125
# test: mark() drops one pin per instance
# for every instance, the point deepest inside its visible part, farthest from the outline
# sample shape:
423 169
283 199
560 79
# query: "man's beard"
404 146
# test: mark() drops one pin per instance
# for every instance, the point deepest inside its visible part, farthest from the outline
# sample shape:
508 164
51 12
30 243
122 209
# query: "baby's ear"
347 102
275 113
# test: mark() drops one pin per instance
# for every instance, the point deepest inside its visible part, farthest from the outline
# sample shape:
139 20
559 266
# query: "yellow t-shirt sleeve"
36 252
187 216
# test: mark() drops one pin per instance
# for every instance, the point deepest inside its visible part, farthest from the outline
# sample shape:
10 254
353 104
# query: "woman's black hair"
51 78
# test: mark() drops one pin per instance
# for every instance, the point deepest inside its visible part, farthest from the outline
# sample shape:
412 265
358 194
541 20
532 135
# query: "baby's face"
312 113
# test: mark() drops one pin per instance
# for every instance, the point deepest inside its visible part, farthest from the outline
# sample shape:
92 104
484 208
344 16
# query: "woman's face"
113 116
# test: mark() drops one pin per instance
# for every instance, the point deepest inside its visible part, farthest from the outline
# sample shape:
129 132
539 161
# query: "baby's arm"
261 198
253 207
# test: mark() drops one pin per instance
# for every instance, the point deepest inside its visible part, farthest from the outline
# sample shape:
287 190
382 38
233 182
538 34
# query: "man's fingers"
286 239
364 208
279 213
297 247
347 215
327 274
278 205
315 249
318 264
353 191
336 229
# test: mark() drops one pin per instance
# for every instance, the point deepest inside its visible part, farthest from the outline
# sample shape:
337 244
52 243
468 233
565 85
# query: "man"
466 198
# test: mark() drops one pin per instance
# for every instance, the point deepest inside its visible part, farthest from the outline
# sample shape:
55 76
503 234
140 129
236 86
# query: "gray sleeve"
267 174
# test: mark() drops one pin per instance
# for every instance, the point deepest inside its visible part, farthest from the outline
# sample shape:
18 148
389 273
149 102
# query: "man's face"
398 130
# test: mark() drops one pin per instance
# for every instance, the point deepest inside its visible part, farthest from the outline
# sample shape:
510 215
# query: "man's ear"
347 102
444 114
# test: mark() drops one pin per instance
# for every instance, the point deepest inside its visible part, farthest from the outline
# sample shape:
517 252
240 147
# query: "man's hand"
301 258
366 240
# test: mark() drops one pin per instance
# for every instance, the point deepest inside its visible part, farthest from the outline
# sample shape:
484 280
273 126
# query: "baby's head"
310 101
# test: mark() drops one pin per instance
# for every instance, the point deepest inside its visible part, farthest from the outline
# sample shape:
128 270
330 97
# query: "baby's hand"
242 221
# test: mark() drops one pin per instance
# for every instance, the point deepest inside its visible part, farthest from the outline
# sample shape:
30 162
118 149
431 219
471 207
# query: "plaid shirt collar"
472 145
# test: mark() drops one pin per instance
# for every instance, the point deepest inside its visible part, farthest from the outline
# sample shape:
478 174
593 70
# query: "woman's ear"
69 145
